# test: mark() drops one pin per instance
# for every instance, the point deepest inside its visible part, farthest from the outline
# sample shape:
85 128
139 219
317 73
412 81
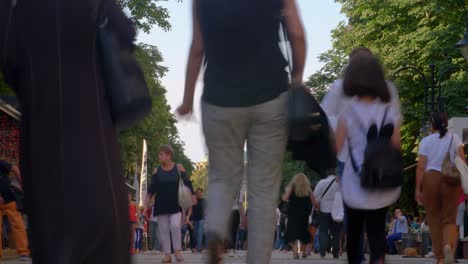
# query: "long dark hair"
440 122
364 76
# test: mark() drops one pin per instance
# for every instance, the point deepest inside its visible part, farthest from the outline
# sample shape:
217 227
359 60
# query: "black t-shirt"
5 181
244 62
165 184
198 211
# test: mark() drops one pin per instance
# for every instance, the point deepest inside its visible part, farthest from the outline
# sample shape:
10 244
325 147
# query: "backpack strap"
384 117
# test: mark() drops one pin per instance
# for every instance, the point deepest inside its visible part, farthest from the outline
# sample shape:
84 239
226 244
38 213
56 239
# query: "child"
132 219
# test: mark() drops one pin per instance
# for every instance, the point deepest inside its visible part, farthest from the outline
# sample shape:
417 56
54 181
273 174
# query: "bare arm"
313 200
340 136
296 36
287 194
195 59
461 153
396 137
16 172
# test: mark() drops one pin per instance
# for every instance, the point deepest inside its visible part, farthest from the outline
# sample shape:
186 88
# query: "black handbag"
124 81
310 137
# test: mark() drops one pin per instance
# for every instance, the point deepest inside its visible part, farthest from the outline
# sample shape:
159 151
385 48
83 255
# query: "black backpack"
383 163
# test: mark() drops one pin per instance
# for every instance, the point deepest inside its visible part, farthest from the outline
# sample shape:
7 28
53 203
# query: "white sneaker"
429 255
231 253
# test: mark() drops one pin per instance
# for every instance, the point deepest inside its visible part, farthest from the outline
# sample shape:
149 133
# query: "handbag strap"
328 188
450 147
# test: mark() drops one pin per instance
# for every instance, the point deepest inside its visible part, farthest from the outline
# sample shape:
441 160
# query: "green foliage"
404 33
157 128
146 14
200 177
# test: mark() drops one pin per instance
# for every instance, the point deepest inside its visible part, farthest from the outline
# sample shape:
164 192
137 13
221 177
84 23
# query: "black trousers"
329 231
235 221
373 223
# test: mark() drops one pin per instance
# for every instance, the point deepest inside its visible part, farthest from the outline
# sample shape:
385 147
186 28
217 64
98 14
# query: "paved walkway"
278 258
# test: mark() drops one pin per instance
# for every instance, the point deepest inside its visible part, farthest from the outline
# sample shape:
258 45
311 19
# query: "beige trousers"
227 130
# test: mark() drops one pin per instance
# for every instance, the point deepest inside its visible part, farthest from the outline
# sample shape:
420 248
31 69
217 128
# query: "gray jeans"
227 130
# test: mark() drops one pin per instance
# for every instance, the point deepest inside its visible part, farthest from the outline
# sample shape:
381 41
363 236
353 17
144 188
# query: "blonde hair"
301 185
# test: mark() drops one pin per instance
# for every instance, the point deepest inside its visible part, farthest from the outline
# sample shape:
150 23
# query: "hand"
185 109
316 206
419 197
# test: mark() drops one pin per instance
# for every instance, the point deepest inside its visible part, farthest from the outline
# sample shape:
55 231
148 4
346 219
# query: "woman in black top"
244 97
165 186
300 198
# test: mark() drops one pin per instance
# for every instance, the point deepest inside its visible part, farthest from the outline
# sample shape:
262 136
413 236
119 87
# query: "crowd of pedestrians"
244 107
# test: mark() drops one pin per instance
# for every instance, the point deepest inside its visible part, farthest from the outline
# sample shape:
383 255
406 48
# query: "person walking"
439 193
154 231
132 220
399 227
198 219
165 187
300 197
9 209
48 56
139 230
243 103
364 79
325 191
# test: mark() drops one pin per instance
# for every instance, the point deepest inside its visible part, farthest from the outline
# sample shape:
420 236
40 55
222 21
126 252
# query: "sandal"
178 256
167 259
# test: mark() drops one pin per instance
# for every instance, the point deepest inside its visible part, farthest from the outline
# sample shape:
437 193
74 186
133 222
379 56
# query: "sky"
318 16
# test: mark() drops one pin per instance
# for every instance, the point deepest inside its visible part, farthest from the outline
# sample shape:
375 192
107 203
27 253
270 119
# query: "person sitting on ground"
400 227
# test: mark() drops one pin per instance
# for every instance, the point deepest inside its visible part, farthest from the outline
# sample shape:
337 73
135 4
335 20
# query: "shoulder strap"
384 117
178 171
328 188
450 145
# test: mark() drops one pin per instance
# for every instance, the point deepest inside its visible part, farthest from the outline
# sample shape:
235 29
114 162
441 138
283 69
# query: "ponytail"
440 123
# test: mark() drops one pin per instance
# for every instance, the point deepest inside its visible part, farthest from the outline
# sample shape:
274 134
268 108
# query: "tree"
401 33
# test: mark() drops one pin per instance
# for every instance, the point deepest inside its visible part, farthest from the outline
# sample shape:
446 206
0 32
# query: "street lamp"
463 44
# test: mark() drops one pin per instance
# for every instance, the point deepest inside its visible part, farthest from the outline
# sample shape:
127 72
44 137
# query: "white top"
353 194
278 216
326 203
239 201
435 149
153 218
338 210
335 102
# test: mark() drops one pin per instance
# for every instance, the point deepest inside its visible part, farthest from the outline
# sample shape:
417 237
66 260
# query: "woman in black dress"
300 198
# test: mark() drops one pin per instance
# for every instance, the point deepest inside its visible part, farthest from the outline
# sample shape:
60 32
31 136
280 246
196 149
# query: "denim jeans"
391 242
280 243
199 229
154 233
139 239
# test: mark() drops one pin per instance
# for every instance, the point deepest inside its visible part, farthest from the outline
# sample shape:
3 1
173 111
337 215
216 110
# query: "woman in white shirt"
364 79
437 192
